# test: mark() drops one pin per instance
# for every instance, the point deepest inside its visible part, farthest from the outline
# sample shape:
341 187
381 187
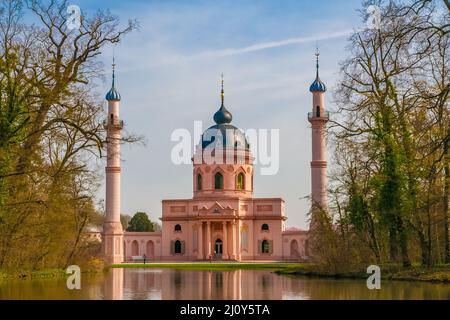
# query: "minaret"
318 119
112 228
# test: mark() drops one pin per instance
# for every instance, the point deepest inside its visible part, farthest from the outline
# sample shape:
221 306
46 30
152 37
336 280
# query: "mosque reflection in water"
196 285
170 284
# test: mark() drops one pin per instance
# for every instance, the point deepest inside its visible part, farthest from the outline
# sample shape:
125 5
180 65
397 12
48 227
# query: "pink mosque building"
223 220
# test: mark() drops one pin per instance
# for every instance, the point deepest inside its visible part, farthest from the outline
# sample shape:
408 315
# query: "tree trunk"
403 243
373 237
393 244
32 140
446 199
423 249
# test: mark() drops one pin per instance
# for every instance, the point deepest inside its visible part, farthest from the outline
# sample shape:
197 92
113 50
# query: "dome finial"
113 68
113 94
222 116
222 93
317 61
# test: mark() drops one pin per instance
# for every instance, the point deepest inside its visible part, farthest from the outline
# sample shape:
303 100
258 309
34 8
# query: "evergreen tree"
140 223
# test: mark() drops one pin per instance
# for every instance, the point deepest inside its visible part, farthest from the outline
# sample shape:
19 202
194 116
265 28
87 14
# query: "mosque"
223 220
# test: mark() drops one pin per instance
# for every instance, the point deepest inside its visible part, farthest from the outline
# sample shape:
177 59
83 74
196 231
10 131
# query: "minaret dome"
317 85
113 94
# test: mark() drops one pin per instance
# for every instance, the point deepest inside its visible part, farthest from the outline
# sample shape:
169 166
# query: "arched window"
265 227
134 248
265 247
199 182
178 227
177 247
112 118
240 183
318 112
218 181
294 248
150 252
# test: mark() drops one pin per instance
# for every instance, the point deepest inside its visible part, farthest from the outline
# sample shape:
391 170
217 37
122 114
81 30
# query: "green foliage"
140 223
50 132
125 221
392 179
357 209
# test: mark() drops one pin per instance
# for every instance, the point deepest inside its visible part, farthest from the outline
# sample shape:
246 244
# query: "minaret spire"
318 119
112 237
113 69
317 62
222 92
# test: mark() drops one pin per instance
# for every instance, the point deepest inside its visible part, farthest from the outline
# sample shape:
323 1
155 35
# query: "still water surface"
167 284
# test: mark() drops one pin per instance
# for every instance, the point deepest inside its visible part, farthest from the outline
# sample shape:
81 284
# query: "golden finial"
222 93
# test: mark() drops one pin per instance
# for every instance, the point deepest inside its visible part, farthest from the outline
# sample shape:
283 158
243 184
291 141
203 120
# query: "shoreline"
437 274
41 274
211 265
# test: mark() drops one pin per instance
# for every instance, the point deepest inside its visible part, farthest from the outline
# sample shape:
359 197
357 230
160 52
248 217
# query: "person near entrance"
218 249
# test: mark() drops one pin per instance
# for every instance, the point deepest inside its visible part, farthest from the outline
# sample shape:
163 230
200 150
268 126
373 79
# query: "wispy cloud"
270 45
175 58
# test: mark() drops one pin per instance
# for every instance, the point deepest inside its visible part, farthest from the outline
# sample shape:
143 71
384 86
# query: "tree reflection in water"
171 284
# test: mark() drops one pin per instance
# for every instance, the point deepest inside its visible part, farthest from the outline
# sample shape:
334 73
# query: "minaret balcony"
322 116
113 124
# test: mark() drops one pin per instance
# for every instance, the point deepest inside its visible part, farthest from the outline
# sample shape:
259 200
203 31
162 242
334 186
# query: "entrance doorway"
218 249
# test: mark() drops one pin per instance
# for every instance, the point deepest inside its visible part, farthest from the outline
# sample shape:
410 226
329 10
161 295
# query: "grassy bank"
212 266
416 273
91 267
41 274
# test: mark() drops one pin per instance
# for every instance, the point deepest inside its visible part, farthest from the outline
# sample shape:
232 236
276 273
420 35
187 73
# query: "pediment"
216 208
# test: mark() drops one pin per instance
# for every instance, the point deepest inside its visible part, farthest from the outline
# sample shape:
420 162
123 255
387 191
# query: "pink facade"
223 220
225 228
140 243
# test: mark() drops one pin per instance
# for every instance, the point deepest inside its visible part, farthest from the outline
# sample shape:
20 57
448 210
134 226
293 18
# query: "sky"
168 74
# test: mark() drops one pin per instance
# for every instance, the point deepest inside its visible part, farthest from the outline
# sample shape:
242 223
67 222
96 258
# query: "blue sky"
168 74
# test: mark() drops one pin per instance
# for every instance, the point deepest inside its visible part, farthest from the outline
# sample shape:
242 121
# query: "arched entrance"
150 252
218 248
178 247
294 249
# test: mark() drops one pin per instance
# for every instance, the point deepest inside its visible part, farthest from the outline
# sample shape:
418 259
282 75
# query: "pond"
168 284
